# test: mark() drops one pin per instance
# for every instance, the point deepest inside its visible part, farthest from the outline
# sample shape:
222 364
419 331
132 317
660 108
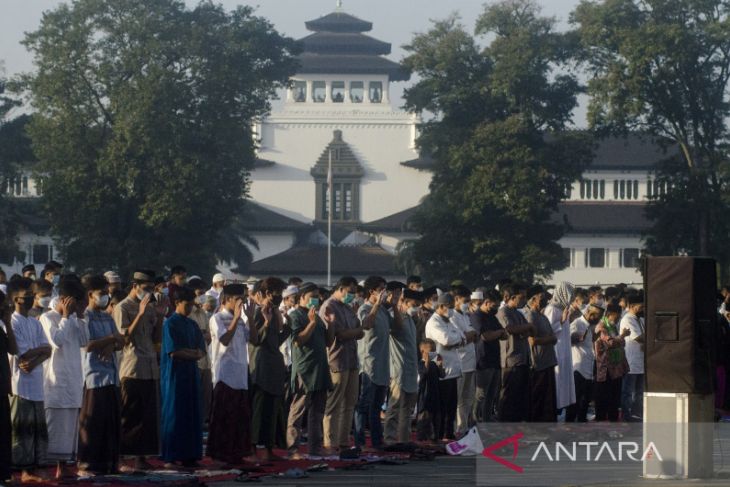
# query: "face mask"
434 304
420 289
56 279
102 301
312 303
45 301
165 291
464 308
600 303
276 300
413 311
451 312
141 294
201 299
349 297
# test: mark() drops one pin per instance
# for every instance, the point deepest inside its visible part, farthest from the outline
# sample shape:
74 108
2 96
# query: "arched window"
299 91
338 91
357 91
319 91
622 189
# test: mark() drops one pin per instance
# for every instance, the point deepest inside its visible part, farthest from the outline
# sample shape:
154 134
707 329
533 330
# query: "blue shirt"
99 372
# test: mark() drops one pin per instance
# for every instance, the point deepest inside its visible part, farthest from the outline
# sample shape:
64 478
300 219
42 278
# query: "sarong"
30 435
229 437
63 433
99 430
140 427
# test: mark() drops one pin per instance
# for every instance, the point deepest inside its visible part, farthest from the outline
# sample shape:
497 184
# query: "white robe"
564 381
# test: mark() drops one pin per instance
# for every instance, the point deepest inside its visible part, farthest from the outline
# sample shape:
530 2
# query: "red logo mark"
514 440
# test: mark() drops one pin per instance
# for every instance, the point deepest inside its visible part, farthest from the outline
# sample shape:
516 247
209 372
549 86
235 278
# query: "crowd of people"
100 370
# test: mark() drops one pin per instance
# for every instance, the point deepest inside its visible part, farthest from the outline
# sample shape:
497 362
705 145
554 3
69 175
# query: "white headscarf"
563 295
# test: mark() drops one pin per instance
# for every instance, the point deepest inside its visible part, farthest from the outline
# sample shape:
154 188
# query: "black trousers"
608 399
5 438
514 398
583 395
448 398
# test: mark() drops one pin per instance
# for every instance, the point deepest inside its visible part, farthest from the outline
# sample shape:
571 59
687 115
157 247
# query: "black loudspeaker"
681 320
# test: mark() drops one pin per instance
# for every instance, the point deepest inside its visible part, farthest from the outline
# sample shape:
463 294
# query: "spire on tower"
339 5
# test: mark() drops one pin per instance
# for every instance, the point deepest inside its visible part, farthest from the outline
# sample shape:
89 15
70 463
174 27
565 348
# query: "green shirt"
309 360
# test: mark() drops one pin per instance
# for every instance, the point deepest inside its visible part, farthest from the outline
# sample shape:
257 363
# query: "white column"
386 92
310 93
328 91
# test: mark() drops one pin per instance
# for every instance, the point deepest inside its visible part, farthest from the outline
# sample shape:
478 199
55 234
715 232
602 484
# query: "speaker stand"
681 427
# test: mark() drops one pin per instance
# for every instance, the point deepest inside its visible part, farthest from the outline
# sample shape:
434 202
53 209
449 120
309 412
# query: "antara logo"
594 452
514 440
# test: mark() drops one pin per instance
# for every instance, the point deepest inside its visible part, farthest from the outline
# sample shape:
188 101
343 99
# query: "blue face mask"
56 279
312 303
349 298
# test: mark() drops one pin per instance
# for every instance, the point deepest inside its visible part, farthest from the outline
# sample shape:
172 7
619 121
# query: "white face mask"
141 294
102 301
45 301
600 303
413 311
464 308
451 312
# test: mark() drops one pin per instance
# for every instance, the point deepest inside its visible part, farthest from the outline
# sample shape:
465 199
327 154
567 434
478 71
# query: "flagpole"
329 221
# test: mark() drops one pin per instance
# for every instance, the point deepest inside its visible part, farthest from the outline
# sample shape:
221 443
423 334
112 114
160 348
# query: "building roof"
422 163
344 162
633 152
397 222
338 22
605 217
256 217
338 46
344 42
312 260
310 63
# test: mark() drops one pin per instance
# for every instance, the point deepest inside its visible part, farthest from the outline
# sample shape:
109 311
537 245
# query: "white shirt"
564 380
63 378
229 364
634 353
583 357
29 335
467 353
445 333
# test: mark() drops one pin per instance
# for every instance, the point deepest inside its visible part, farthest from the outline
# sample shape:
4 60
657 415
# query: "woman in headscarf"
558 312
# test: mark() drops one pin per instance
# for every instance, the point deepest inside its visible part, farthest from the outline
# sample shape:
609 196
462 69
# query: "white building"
338 109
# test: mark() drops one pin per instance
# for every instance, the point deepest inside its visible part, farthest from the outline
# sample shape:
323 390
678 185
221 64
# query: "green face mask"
313 303
349 297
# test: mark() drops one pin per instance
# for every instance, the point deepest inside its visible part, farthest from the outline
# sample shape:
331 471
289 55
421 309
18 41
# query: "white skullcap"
219 278
477 296
290 291
112 277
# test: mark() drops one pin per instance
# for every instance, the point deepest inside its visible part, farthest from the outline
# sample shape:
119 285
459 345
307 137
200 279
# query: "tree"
143 127
503 159
13 147
662 67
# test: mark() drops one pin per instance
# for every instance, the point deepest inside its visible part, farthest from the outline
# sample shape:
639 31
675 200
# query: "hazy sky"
394 21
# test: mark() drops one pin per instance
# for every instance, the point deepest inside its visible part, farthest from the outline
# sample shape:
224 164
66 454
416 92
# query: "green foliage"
143 127
497 131
14 150
662 67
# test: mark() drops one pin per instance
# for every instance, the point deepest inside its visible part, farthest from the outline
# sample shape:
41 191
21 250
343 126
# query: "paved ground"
456 472
442 472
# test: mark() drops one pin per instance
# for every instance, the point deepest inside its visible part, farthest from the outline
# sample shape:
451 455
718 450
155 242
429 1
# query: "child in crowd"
430 370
